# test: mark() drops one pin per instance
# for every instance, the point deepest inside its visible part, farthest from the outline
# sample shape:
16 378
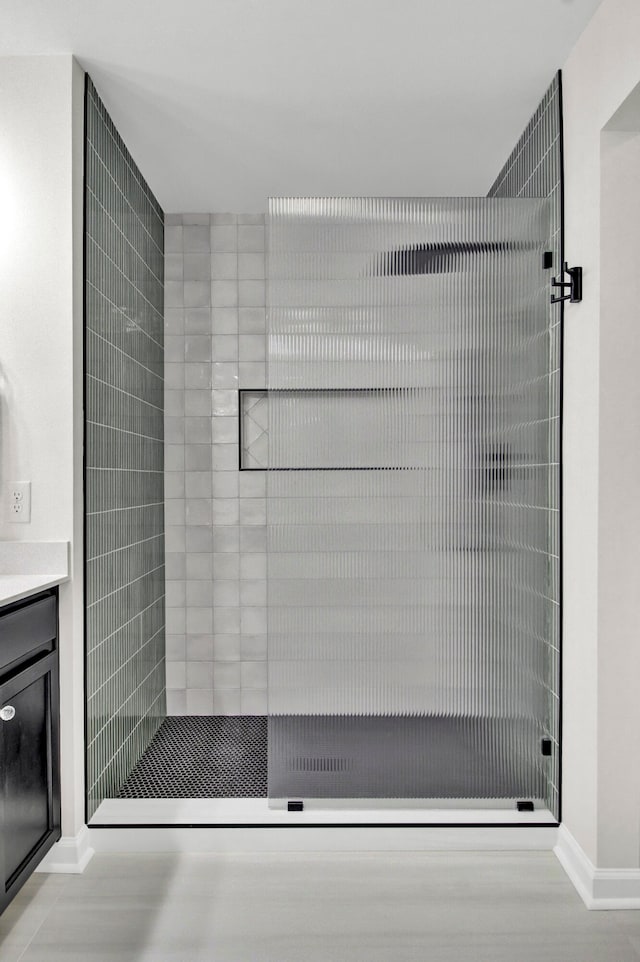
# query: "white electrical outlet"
18 501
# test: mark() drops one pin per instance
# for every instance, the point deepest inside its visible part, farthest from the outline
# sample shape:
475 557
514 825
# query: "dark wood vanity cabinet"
29 738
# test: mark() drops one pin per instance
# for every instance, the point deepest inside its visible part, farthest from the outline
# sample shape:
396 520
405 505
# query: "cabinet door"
28 748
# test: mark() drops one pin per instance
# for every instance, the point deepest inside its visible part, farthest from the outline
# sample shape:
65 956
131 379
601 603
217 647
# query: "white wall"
40 344
601 756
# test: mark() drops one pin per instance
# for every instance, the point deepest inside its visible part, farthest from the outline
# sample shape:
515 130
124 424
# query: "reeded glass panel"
409 495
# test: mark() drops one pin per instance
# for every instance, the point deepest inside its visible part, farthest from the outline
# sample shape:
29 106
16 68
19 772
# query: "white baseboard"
70 855
599 888
324 839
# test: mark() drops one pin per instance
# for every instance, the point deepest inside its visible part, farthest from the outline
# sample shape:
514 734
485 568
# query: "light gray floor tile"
444 907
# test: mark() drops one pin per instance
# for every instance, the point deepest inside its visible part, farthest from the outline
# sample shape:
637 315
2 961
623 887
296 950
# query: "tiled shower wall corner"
534 169
215 514
124 488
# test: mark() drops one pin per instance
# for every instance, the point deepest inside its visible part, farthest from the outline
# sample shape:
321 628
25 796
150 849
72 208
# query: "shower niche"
410 436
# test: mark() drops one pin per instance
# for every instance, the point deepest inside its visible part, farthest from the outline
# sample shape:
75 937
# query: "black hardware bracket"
574 285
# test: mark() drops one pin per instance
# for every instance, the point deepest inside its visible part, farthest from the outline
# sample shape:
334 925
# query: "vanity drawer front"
27 631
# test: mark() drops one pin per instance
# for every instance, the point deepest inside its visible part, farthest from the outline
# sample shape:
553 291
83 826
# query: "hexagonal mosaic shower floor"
213 756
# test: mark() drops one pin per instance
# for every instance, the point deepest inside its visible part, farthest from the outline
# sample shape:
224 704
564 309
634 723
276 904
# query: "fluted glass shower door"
412 500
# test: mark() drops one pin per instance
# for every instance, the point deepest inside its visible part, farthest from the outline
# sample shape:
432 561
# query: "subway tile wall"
215 514
124 488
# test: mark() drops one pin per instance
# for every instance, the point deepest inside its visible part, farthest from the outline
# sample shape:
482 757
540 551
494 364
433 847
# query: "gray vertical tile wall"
534 169
215 514
124 480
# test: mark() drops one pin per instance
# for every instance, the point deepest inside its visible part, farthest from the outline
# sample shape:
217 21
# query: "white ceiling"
225 102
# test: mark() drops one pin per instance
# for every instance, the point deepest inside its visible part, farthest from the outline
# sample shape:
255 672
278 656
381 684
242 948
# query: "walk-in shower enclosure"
412 500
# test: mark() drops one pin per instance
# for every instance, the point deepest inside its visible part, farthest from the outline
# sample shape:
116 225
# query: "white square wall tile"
173 350
253 647
197 294
197 320
174 376
250 238
175 621
224 237
198 484
225 484
252 374
224 218
174 485
253 621
226 594
197 267
253 511
253 538
225 402
174 430
197 457
224 374
197 348
252 347
173 294
255 219
226 539
226 621
197 376
197 430
199 648
253 567
224 266
174 512
250 293
174 320
253 702
225 511
224 320
224 294
224 347
174 403
174 457
175 566
175 674
176 702
252 320
199 567
253 484
196 219
176 648
251 266
253 674
196 237
199 594
199 540
172 238
173 267
175 538
226 565
199 674
226 674
199 701
226 647
175 595
224 430
197 404
199 621
226 702
253 593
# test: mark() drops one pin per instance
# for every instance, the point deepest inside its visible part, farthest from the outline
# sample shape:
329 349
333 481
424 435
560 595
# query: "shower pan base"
259 813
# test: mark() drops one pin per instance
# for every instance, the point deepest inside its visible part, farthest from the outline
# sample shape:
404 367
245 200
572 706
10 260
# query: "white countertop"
27 567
